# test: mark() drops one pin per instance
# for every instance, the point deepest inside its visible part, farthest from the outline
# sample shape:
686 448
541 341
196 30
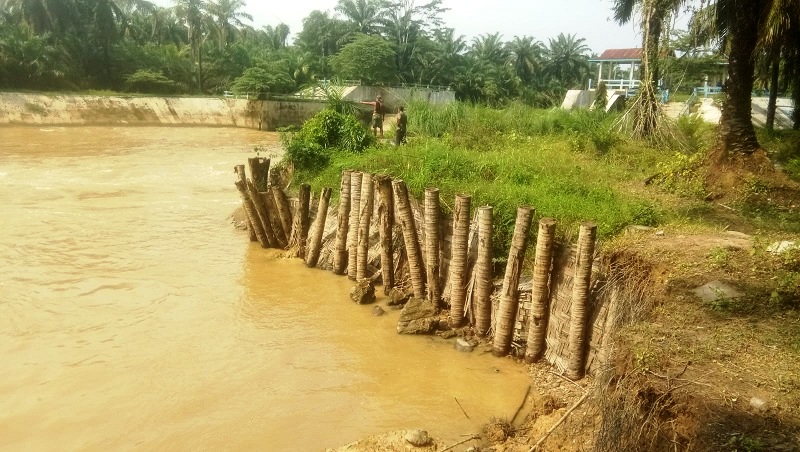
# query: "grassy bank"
572 166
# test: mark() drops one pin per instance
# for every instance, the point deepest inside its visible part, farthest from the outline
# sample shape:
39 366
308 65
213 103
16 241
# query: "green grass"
574 166
566 165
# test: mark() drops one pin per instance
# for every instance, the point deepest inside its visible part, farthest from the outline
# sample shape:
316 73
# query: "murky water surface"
133 315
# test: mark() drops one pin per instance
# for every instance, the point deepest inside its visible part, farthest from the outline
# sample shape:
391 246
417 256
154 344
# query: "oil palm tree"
228 18
364 15
193 15
780 35
567 59
526 57
489 48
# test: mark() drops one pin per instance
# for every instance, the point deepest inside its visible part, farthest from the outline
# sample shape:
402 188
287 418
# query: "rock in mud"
363 292
463 345
417 317
378 311
717 291
418 438
397 297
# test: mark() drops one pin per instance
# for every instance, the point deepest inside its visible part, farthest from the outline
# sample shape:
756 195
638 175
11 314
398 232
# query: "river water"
134 316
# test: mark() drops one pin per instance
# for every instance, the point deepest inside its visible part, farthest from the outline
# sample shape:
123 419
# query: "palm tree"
43 16
780 35
364 15
654 14
193 15
567 60
107 17
489 48
228 18
526 57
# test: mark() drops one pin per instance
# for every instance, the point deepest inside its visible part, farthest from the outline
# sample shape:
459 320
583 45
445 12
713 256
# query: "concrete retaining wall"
394 97
64 109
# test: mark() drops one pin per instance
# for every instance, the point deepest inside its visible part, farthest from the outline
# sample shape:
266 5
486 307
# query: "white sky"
542 19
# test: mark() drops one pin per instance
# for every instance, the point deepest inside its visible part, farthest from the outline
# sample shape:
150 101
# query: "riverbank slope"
82 110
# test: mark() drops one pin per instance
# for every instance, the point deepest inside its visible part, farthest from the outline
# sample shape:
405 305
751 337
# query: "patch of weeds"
718 257
741 442
682 175
35 109
693 131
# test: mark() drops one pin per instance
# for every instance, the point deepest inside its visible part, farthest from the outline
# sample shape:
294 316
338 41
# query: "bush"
327 132
147 81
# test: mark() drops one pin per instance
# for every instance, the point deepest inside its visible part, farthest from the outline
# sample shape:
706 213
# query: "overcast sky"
542 19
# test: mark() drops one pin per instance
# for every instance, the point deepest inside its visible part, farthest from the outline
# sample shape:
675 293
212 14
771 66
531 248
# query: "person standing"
378 112
402 123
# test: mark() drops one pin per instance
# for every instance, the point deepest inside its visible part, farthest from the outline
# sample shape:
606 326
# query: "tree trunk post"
579 311
318 229
300 224
410 239
263 216
259 172
284 211
540 294
367 197
386 217
432 244
484 276
250 210
509 297
242 178
340 252
271 211
355 214
458 259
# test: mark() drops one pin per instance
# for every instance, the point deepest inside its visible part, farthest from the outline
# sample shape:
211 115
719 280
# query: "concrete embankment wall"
66 109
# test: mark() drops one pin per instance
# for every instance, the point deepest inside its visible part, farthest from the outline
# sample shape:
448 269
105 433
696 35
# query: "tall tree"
567 60
364 15
228 18
193 15
740 22
526 57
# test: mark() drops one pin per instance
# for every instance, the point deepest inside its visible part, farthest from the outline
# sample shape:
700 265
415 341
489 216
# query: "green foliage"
259 80
683 175
505 158
146 81
321 137
366 58
693 132
600 96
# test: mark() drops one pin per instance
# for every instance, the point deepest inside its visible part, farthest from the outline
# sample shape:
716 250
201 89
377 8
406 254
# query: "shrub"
327 132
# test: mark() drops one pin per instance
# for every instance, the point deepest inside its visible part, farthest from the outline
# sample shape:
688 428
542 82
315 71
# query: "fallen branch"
522 404
462 408
461 442
560 421
567 379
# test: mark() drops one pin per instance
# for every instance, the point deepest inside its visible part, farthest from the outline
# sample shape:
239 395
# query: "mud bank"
84 110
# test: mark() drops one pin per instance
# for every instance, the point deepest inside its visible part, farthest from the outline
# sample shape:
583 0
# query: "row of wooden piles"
273 223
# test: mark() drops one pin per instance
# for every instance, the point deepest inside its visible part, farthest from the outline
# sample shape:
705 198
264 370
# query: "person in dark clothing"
377 115
402 123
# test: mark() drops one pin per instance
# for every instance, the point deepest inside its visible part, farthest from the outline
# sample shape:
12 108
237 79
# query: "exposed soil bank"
69 109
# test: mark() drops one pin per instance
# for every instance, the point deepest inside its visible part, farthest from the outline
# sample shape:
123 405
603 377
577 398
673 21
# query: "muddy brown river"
134 316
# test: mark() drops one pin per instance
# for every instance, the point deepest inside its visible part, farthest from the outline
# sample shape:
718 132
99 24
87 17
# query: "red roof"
621 54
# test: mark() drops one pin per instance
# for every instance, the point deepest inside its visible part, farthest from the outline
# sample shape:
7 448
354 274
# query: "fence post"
410 239
540 293
458 259
579 311
483 268
509 297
